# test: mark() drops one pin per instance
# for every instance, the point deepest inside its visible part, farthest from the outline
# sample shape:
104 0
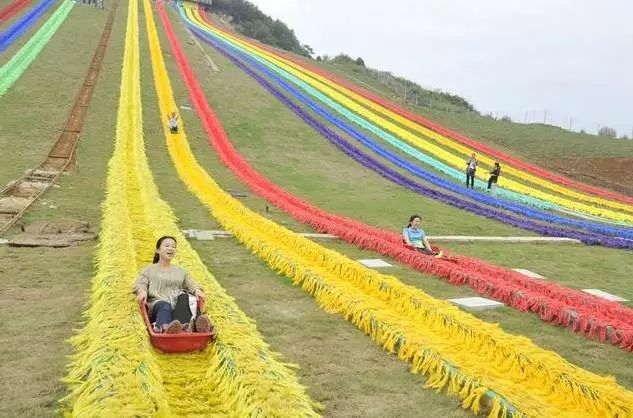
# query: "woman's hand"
141 297
200 294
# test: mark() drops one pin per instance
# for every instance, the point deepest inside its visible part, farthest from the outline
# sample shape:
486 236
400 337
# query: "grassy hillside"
341 367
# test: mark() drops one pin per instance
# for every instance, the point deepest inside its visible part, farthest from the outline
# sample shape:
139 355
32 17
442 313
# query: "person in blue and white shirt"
414 236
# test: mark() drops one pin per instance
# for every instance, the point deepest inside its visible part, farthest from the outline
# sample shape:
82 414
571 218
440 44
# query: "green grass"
44 291
535 141
35 108
342 368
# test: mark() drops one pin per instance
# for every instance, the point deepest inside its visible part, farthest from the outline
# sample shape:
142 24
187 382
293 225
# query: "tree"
359 61
308 48
608 132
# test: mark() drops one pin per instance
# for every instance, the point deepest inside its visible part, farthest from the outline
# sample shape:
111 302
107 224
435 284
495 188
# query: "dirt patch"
62 233
611 173
12 204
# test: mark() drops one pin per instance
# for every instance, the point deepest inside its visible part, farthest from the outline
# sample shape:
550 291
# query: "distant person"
494 177
414 236
471 168
166 289
172 122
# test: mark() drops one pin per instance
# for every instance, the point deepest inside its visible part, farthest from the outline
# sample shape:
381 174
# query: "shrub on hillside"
608 132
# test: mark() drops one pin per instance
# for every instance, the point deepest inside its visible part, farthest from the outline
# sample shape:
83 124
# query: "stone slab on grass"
205 236
529 273
476 303
605 295
374 263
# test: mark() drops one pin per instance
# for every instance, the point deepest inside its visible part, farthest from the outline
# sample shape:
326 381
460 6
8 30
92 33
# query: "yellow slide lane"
115 371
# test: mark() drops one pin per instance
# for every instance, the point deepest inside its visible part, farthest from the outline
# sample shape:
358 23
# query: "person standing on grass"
494 177
415 237
166 289
471 167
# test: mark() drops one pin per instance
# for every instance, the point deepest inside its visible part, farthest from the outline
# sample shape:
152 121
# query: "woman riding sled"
170 293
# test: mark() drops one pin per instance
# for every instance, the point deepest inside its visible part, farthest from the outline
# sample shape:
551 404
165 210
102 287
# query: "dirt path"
611 173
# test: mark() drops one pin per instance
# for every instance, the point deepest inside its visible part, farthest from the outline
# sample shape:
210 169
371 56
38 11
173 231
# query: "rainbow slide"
13 32
10 10
472 359
606 209
624 235
12 70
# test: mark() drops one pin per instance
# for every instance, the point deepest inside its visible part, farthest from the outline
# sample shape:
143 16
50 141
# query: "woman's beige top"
164 284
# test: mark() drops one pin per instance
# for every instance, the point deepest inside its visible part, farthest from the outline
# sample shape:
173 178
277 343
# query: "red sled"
176 343
445 257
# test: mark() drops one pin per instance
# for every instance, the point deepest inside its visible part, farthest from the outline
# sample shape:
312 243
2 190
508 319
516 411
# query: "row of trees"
408 90
250 21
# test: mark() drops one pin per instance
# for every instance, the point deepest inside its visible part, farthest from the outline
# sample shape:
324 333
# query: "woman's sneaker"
203 324
174 327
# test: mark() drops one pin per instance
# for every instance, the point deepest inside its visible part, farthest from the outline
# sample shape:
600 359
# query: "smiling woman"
166 289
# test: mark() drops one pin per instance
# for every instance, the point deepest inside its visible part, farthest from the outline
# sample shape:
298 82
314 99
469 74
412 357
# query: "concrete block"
375 263
605 295
476 303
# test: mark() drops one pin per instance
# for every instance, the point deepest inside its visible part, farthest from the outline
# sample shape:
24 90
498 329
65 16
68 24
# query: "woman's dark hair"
158 243
496 164
410 220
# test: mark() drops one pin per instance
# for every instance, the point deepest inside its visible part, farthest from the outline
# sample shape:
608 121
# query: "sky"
570 62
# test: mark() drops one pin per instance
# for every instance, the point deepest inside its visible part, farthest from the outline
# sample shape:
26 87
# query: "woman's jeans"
163 314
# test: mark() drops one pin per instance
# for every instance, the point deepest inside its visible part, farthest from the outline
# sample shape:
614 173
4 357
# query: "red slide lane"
435 127
12 9
580 312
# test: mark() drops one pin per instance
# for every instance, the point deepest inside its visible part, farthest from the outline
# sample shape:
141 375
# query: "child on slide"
414 236
166 289
172 122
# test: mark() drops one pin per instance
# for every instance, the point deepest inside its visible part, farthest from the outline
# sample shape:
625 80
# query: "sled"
176 343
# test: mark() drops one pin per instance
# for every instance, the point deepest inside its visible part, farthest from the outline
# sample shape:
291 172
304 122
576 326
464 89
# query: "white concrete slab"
604 295
375 263
513 240
529 273
476 303
205 236
318 236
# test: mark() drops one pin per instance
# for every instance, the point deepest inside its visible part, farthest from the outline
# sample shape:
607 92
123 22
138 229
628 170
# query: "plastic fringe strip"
114 371
13 32
8 12
12 70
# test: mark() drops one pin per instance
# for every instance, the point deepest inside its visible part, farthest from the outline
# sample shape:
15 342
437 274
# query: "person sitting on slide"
172 122
166 289
414 236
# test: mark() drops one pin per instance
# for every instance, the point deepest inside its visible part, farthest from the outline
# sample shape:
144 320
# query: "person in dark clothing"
494 177
471 167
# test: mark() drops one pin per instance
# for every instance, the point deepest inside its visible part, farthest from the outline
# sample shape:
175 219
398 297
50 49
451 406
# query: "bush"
608 132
